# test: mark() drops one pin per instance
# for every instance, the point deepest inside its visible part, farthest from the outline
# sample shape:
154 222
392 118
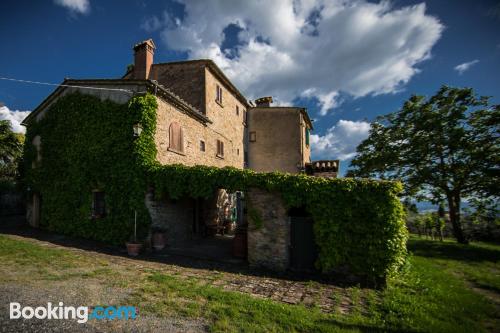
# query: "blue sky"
346 61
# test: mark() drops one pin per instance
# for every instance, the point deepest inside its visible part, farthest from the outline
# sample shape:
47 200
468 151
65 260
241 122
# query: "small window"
176 138
238 151
218 94
308 133
202 145
237 110
220 148
253 137
98 204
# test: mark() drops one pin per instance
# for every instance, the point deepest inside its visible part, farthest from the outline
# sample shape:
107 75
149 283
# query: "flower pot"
159 240
133 249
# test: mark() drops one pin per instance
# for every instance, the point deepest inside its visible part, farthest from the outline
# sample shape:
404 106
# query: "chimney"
264 101
143 59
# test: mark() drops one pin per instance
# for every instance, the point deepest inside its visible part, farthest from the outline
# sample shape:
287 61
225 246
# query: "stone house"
203 119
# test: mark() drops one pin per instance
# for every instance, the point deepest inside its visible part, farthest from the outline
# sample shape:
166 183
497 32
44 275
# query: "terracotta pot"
133 249
159 240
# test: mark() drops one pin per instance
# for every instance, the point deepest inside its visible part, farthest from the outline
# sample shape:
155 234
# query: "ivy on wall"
358 223
88 144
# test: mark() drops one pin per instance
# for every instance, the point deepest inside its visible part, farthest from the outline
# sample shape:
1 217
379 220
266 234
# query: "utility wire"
65 85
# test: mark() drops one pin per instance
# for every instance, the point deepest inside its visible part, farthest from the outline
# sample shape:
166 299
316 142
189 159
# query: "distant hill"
428 206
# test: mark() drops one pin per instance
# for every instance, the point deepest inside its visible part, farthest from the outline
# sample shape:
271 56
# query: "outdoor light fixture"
137 130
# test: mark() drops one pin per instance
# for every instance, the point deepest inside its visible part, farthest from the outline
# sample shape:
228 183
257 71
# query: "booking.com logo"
82 313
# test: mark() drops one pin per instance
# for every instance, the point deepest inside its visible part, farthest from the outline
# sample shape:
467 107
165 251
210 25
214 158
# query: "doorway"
303 248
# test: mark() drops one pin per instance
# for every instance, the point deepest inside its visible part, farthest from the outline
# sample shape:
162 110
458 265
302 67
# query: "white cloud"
325 101
465 66
15 118
75 6
340 140
313 48
151 24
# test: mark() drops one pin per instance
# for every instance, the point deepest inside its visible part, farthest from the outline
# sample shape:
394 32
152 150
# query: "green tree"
10 151
444 148
430 225
420 224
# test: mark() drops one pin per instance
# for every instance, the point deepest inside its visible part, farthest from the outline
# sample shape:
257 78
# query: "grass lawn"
447 287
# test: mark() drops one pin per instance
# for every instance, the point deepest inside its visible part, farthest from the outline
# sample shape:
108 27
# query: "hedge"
88 144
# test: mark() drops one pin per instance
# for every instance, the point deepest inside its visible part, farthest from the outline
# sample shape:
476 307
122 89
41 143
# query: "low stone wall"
176 217
268 245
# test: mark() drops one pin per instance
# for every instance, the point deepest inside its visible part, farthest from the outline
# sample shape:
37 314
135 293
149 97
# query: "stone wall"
194 132
226 121
306 148
175 217
195 83
185 79
326 174
268 245
279 143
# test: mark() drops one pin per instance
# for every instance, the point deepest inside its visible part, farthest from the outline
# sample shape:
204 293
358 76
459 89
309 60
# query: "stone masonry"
195 131
268 245
175 217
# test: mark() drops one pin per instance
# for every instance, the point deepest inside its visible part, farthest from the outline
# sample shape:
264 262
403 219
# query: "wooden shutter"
176 137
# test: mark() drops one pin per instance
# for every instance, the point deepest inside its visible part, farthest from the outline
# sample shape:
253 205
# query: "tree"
444 148
10 151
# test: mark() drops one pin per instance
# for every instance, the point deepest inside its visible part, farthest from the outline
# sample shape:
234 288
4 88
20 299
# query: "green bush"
88 144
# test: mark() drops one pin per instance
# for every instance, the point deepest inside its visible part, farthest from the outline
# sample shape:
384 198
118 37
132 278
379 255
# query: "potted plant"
134 247
159 238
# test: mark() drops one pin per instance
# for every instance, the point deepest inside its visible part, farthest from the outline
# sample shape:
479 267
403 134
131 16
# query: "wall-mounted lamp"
137 130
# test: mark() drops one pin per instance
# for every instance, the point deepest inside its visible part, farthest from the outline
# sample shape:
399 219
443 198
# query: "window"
307 136
245 115
98 204
176 138
238 151
218 94
253 137
220 148
237 110
202 145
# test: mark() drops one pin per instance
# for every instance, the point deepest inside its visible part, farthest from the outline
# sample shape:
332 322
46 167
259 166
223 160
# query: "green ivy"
358 223
88 143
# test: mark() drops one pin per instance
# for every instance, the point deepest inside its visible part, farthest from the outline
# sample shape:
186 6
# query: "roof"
302 110
150 86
